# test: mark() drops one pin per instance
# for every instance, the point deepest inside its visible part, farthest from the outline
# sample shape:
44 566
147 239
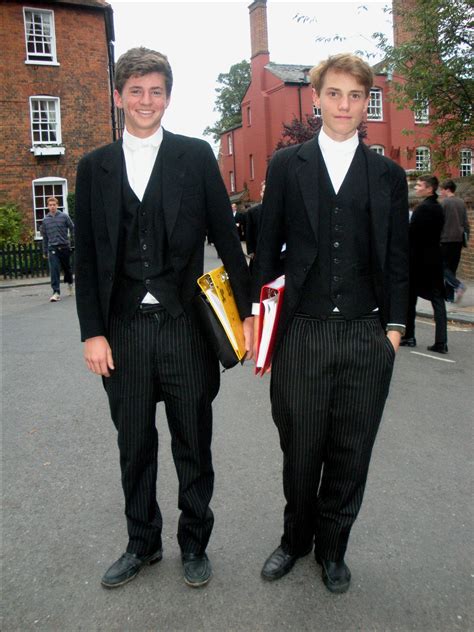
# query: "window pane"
423 160
42 191
39 35
45 120
374 110
466 163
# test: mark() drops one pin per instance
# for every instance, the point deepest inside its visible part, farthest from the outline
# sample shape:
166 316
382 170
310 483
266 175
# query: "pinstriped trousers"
157 358
330 380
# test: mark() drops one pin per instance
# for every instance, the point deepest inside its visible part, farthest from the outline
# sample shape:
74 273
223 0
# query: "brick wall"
80 81
466 266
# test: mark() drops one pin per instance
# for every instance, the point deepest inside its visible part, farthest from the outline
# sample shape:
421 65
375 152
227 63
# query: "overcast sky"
203 39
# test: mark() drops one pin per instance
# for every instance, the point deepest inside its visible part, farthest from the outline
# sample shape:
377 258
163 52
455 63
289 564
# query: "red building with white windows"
278 93
56 97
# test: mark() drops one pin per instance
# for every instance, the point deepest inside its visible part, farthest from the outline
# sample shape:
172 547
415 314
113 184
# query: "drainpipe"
299 102
110 34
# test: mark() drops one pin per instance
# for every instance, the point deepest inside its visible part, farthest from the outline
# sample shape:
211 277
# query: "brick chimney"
258 28
402 29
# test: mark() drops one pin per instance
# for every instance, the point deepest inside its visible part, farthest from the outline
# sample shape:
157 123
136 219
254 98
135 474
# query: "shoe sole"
280 574
197 584
157 557
337 590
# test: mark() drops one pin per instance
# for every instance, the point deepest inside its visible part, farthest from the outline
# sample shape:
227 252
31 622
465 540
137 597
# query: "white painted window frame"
44 182
30 57
424 166
375 107
379 149
465 165
421 112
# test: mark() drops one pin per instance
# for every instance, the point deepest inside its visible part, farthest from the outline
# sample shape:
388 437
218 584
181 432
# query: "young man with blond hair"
342 211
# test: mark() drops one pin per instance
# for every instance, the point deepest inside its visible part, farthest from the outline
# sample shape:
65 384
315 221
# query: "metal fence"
24 261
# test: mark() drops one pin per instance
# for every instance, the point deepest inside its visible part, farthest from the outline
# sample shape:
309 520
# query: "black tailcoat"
194 200
290 214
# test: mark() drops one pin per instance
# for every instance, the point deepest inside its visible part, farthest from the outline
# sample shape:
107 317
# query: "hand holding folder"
216 287
271 299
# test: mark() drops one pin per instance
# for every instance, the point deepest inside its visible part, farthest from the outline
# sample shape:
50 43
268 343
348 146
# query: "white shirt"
140 155
337 156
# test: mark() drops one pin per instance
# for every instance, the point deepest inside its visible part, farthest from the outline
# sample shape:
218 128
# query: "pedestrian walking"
454 236
55 230
426 263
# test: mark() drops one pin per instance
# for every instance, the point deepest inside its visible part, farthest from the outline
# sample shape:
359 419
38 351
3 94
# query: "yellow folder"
216 286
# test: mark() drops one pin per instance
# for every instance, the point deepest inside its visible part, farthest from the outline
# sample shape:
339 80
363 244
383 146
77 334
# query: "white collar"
133 142
345 146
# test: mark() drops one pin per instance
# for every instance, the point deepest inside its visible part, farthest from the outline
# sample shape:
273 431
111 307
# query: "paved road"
63 517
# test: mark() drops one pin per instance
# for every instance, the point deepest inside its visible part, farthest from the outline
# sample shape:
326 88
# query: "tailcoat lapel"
379 195
173 172
307 175
110 178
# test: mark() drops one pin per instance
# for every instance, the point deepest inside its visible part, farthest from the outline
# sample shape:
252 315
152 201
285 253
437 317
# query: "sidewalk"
462 312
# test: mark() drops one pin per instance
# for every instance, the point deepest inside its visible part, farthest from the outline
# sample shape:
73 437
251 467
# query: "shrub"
13 229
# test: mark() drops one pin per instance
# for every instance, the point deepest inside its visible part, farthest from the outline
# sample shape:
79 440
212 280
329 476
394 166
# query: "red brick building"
56 100
279 93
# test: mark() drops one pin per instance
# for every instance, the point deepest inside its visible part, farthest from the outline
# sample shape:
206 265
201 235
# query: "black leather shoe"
280 563
197 569
336 575
127 568
407 342
439 347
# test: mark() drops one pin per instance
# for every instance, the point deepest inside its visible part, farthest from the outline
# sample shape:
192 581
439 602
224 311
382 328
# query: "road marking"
425 355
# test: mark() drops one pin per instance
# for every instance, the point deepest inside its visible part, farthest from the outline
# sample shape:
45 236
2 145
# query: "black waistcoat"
341 275
144 250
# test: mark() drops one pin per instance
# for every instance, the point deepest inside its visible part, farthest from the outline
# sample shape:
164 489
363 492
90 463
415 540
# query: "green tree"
434 67
71 205
13 229
232 88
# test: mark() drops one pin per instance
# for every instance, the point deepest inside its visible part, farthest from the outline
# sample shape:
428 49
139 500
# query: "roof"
290 73
380 68
96 4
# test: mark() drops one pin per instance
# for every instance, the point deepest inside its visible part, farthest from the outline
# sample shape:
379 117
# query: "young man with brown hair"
143 207
342 210
456 229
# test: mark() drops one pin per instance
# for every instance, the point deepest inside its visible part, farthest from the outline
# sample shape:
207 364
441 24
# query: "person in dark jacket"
252 226
342 211
455 230
143 205
426 263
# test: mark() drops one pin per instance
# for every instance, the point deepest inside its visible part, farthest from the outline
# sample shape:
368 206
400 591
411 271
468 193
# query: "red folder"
271 299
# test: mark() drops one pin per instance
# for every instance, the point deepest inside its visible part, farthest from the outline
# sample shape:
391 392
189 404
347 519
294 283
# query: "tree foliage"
300 131
230 92
13 229
435 66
